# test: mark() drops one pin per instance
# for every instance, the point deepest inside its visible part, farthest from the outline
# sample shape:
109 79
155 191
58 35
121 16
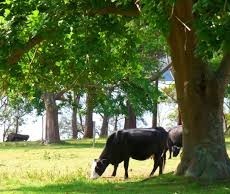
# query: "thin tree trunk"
81 122
105 126
74 123
16 124
88 133
130 119
115 123
154 116
52 128
4 132
74 116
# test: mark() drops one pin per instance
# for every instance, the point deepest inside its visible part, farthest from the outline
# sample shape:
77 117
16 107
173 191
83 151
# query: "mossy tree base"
207 163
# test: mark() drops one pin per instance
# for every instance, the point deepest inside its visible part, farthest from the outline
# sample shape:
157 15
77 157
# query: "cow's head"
175 150
98 167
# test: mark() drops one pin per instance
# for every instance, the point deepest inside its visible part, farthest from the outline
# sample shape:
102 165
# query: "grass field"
29 167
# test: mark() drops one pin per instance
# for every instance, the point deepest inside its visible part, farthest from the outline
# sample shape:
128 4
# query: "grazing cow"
174 140
139 144
17 137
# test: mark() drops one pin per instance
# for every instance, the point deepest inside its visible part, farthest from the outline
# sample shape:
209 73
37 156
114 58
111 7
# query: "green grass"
29 167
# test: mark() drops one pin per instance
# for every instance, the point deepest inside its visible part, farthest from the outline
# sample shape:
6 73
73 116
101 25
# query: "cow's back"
139 144
143 143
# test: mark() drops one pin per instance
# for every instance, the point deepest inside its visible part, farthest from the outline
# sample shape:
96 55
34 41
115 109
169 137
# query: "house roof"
167 76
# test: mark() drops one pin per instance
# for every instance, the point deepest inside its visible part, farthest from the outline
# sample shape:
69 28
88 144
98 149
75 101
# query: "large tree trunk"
105 126
200 96
88 133
130 119
52 128
204 152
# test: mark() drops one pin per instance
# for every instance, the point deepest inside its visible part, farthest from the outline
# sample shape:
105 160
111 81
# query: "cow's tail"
165 149
163 156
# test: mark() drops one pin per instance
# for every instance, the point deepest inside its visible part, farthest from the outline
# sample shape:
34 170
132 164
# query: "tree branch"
60 96
133 10
19 52
223 72
158 74
170 95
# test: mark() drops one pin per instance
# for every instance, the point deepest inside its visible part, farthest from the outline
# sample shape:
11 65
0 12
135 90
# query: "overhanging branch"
19 52
132 10
158 74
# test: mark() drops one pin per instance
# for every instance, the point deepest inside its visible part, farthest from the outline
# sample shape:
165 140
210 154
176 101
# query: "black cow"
139 144
174 140
17 137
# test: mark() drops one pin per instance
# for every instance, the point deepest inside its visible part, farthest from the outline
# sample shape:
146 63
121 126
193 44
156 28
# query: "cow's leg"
126 166
170 152
115 170
160 165
157 159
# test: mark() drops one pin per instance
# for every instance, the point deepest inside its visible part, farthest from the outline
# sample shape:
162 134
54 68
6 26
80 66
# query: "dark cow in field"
174 140
17 137
139 144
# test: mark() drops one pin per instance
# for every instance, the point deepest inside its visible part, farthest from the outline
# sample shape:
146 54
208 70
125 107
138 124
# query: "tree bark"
81 123
88 133
200 96
204 152
52 128
115 123
74 123
154 117
179 119
74 116
16 124
105 126
18 53
130 119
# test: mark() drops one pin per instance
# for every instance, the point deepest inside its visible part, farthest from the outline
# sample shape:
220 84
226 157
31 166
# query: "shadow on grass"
164 184
61 145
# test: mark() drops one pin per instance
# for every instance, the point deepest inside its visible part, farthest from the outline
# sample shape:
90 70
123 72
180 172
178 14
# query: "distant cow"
17 137
174 140
139 144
